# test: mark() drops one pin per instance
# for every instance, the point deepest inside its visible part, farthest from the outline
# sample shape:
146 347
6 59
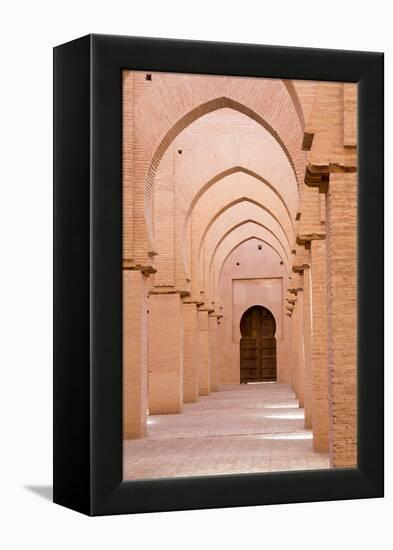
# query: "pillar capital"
146 269
319 175
303 239
295 283
168 290
218 316
191 300
301 259
205 307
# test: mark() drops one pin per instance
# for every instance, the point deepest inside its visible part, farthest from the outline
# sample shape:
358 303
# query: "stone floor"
239 429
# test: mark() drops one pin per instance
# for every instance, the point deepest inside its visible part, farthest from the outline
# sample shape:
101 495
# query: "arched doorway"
258 362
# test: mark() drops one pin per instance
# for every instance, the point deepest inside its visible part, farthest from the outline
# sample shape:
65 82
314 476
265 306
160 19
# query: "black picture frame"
88 275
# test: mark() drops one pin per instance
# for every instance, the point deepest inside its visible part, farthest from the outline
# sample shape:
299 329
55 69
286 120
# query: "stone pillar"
135 348
190 343
307 332
320 403
213 359
165 353
341 209
203 355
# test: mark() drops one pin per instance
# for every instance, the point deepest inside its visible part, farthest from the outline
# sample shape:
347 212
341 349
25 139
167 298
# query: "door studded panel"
258 361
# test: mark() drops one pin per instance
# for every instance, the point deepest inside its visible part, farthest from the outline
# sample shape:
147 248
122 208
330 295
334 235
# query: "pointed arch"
233 228
246 310
233 203
242 242
222 102
229 172
295 100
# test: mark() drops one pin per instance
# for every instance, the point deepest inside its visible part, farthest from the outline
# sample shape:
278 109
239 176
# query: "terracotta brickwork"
165 353
299 349
213 353
190 353
239 192
135 348
319 346
307 338
204 352
342 290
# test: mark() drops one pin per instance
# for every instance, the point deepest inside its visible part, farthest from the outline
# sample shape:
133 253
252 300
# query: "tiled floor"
239 429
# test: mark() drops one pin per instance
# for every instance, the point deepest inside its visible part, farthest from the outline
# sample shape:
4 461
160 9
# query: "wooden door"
257 346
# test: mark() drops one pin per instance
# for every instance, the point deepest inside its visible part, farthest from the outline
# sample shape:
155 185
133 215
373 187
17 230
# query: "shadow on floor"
44 491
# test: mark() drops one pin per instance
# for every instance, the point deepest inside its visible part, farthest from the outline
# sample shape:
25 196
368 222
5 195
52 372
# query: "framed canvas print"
218 275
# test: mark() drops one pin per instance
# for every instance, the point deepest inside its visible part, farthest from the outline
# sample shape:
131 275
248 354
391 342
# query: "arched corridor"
239 274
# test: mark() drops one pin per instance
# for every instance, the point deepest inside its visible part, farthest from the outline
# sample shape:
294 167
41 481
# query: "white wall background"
28 31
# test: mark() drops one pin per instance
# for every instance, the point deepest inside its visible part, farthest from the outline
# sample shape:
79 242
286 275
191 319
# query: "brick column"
135 346
219 347
165 353
299 349
213 353
292 311
203 355
307 332
319 347
341 209
190 343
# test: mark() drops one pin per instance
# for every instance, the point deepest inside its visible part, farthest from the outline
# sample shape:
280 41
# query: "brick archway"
186 120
